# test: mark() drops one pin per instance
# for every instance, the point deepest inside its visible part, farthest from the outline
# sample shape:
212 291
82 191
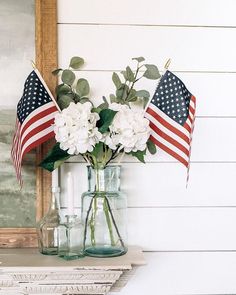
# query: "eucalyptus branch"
135 77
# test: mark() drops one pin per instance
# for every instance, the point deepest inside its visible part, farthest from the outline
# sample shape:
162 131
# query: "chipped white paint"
28 272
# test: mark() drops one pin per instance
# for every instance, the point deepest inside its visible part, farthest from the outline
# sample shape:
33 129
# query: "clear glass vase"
47 228
104 213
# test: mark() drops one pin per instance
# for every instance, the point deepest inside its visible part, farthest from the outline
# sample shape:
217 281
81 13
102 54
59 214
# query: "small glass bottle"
47 228
71 238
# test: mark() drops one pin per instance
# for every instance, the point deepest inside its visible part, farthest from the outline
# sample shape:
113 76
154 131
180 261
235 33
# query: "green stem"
108 220
114 222
92 221
135 77
86 221
94 211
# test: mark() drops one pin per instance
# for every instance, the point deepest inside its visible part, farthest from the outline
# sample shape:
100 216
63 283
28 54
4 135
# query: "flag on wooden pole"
35 117
171 113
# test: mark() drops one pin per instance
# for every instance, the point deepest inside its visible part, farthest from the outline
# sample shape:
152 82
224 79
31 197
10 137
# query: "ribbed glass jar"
104 213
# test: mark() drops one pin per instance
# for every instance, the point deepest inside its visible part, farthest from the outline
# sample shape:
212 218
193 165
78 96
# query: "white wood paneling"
182 229
214 96
185 273
199 36
112 47
164 184
150 12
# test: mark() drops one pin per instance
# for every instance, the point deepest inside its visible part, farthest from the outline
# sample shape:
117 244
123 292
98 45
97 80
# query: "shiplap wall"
180 228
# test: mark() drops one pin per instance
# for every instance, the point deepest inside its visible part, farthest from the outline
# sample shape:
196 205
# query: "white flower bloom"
75 128
129 128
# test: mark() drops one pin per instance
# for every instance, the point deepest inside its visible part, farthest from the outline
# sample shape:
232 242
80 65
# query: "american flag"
35 115
171 113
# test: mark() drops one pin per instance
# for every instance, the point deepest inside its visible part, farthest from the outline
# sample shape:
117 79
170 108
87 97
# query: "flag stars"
173 98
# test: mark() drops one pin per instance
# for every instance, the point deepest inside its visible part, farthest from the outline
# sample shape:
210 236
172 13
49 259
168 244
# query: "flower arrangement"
99 133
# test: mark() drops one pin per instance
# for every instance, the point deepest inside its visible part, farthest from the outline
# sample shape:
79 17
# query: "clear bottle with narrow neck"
47 227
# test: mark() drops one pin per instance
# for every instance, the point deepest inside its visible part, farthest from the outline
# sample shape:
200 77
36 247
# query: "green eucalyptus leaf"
151 72
113 98
132 95
54 158
68 77
116 80
151 147
105 100
76 97
124 74
56 72
139 155
85 99
122 92
76 62
106 118
139 59
62 89
82 87
132 99
96 110
143 93
103 106
145 101
130 74
64 101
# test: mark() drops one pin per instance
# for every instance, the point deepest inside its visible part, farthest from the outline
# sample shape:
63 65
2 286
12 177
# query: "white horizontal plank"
214 140
152 184
211 100
182 229
150 12
112 47
184 273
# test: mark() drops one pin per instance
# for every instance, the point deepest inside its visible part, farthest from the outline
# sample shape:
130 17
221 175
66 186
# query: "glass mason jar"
104 211
47 228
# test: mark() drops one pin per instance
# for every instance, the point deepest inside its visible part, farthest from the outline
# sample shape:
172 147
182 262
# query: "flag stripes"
171 113
35 117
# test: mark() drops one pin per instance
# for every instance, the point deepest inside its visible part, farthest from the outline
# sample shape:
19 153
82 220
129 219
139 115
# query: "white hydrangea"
75 128
129 128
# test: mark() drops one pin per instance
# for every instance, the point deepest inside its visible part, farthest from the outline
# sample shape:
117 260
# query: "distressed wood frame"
46 61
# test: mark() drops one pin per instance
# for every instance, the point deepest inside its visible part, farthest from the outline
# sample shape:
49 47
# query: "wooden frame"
46 61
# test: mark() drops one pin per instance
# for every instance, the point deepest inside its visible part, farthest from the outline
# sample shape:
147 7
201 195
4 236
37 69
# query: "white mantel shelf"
25 271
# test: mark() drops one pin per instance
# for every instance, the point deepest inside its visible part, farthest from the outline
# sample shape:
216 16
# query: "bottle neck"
54 205
71 219
107 179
